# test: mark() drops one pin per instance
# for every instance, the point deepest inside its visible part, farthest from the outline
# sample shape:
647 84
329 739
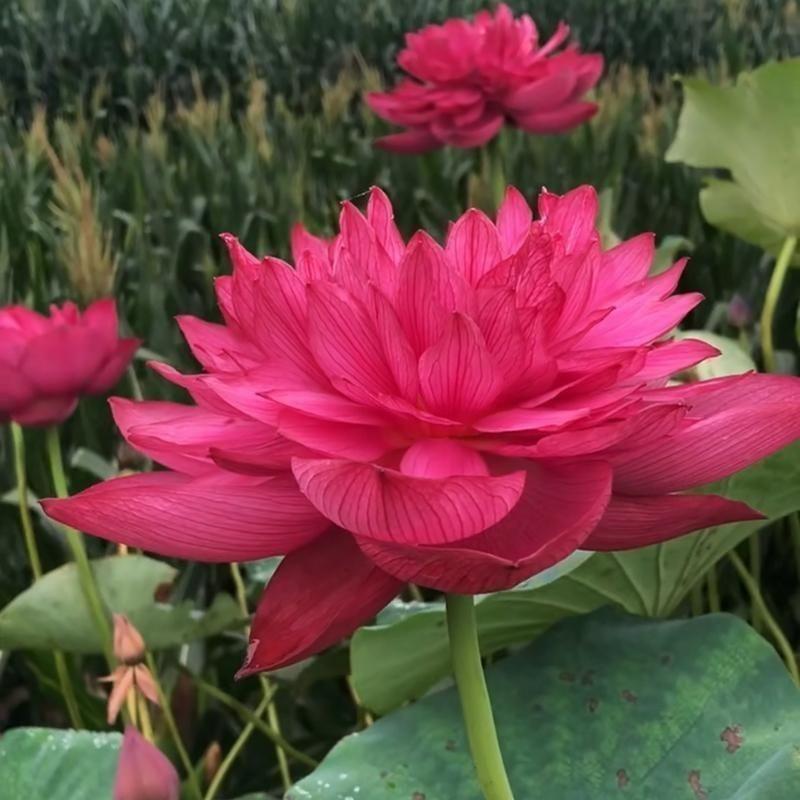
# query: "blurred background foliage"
133 133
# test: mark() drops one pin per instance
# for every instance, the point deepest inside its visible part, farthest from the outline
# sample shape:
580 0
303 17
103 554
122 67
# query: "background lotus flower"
144 772
47 363
468 78
462 417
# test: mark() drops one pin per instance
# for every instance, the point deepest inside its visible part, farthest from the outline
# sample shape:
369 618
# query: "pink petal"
216 518
473 246
541 95
559 508
411 142
304 242
109 374
380 216
45 411
442 458
458 378
344 340
513 221
144 772
181 437
337 439
631 522
101 317
474 134
388 506
399 354
625 264
63 360
761 415
282 322
217 347
559 121
670 358
572 215
318 595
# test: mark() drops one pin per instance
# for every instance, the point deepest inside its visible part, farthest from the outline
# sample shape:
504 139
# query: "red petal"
215 518
409 142
631 522
559 508
318 595
473 246
389 506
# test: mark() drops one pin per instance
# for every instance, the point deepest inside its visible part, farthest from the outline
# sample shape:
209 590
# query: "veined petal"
761 415
559 508
458 378
215 518
473 246
513 221
388 506
631 522
318 595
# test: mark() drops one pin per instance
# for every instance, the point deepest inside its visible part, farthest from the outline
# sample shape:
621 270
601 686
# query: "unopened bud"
129 646
143 771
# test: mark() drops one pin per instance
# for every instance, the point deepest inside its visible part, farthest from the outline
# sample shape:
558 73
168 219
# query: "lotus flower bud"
144 772
129 646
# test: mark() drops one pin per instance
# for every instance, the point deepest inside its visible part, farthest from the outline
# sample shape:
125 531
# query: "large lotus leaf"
406 652
752 130
604 706
49 764
51 614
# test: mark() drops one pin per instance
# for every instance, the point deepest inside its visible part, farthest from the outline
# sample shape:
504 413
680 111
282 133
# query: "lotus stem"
75 541
172 727
475 705
240 742
776 282
62 672
249 716
266 688
781 642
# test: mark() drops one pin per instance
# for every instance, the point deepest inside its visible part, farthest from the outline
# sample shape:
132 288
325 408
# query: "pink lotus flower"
144 772
468 78
462 417
47 363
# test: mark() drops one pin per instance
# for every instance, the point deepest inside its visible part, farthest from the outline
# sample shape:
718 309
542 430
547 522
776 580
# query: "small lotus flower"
132 675
469 78
144 772
47 363
460 416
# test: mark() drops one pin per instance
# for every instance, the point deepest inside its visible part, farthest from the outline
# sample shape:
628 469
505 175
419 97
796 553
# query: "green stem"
233 753
781 642
266 688
475 705
794 527
75 541
714 604
776 282
62 671
22 499
172 727
248 716
754 557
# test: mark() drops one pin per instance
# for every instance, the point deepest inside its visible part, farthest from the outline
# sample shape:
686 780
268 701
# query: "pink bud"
128 643
144 772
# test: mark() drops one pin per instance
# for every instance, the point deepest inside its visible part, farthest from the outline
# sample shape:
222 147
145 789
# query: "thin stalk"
714 604
233 753
145 723
794 527
774 289
62 672
781 642
22 500
475 705
696 599
172 727
75 541
266 688
754 557
248 716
